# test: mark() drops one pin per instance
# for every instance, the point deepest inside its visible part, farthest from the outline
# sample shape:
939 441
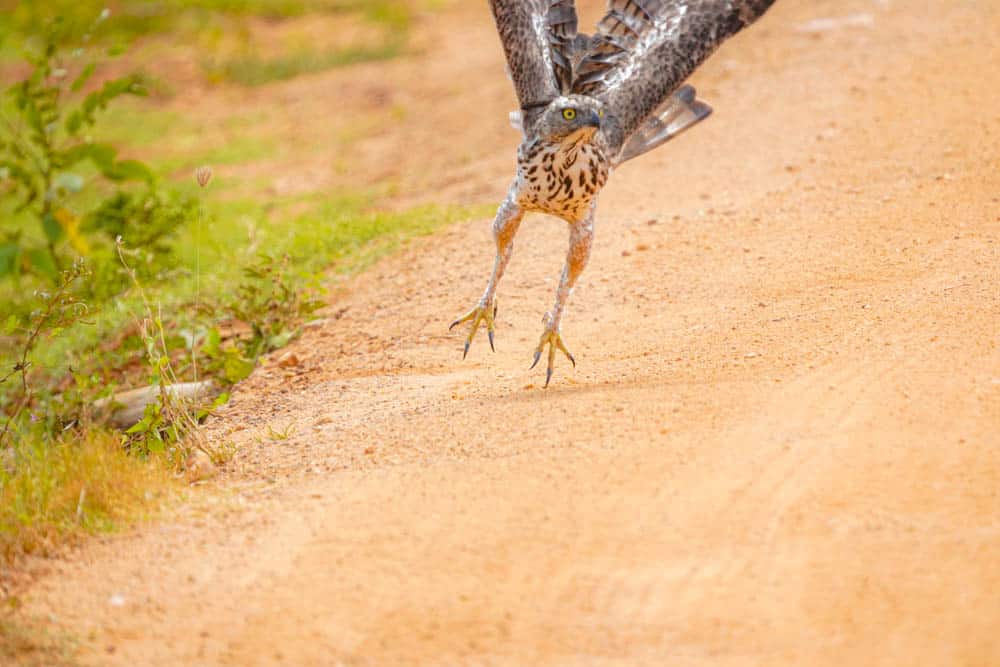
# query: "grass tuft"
53 493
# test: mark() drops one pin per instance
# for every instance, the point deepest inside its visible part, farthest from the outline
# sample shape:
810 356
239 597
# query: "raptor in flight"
589 103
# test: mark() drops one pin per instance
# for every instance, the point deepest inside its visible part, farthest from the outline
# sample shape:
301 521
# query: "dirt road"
781 445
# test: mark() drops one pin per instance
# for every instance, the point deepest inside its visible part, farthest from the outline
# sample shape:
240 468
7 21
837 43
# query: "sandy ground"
781 445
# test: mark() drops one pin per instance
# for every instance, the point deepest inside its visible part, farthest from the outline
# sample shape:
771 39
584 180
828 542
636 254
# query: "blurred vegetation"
219 30
118 270
135 18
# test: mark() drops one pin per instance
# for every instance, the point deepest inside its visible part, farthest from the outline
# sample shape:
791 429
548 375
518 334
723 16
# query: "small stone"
117 600
288 360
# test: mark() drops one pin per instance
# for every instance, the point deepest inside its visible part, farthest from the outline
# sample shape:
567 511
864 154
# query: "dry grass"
52 493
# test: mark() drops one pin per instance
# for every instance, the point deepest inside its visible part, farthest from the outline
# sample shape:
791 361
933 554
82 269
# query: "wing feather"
538 38
644 49
562 25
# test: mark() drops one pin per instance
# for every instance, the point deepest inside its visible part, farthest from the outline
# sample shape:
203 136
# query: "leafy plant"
170 424
43 143
146 223
275 300
60 309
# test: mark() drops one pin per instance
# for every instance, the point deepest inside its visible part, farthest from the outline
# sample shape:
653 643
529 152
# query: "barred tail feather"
681 111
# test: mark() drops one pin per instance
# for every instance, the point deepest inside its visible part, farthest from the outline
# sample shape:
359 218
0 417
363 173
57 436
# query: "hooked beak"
594 120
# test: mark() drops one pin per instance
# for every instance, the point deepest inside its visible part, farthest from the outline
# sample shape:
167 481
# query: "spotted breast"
560 179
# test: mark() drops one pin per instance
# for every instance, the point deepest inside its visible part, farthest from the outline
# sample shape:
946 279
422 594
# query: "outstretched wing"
644 49
538 37
681 111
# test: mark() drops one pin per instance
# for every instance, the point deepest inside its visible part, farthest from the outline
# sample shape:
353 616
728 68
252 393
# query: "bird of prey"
588 104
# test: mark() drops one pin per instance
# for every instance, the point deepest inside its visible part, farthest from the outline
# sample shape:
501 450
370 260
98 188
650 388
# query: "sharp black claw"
490 334
454 324
572 360
466 352
548 377
538 355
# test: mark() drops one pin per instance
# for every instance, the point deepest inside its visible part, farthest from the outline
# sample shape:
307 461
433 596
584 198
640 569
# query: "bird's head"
571 119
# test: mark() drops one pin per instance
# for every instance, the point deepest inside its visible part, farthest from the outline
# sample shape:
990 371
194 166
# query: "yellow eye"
569 114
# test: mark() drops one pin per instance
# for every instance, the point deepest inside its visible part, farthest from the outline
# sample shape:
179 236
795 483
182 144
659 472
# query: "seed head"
203 175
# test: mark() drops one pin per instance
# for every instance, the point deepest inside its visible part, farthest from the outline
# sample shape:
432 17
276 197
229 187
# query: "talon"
477 316
554 341
563 349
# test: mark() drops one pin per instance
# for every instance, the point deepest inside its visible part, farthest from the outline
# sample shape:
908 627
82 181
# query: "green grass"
343 233
254 71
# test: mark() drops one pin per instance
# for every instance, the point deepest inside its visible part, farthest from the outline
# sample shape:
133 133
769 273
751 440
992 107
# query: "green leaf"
9 253
237 367
74 122
213 341
102 155
53 230
131 170
83 77
280 340
10 170
99 100
41 262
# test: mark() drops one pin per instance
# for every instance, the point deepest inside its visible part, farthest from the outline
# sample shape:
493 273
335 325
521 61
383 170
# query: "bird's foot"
551 338
482 313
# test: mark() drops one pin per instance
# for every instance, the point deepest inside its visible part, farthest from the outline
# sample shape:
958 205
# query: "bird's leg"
581 237
505 225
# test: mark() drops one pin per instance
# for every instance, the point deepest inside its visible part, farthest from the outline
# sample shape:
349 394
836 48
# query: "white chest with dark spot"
560 179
